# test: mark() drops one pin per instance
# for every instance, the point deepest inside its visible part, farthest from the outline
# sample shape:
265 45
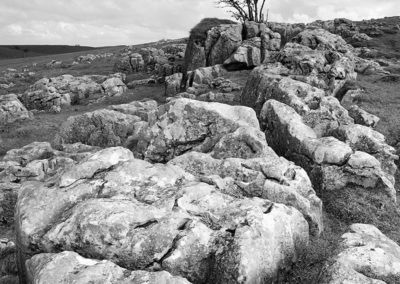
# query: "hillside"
23 51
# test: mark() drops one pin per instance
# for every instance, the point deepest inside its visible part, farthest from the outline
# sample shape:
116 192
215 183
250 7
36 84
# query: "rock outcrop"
11 109
50 93
306 124
70 267
154 217
226 137
365 256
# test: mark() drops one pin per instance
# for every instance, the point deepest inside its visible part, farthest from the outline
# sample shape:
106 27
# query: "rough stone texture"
287 31
173 84
64 90
366 255
145 109
11 109
269 177
247 55
102 128
206 75
322 39
363 138
187 125
154 217
265 82
221 42
331 164
363 117
70 267
113 87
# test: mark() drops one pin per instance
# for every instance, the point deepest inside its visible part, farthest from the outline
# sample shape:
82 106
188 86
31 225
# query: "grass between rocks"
44 126
342 208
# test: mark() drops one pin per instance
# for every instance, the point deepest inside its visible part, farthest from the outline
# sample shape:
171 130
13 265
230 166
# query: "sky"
126 22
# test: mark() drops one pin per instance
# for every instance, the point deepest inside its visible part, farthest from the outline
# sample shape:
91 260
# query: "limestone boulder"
363 117
102 128
67 267
145 109
206 75
11 109
323 40
363 138
173 84
270 41
366 255
59 91
153 217
187 125
266 82
113 87
332 164
269 177
221 42
248 55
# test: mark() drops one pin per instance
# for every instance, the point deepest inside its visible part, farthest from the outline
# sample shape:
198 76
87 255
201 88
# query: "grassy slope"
21 51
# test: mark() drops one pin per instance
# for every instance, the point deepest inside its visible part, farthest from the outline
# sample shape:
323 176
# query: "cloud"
116 22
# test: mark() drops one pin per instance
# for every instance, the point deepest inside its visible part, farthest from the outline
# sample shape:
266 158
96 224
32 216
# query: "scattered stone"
113 87
11 109
366 255
363 117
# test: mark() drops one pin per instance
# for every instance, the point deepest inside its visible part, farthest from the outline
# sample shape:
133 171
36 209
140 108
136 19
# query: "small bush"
199 32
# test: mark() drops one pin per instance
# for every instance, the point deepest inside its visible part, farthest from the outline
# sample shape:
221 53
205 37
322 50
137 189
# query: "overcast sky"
117 22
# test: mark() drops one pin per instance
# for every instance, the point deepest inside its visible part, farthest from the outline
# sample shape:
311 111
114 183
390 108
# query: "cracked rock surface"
152 217
366 255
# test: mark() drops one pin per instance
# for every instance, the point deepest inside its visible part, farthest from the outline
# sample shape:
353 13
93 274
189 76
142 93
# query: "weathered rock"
156 217
264 83
206 75
185 125
266 176
102 128
322 39
29 153
363 138
363 117
68 267
144 109
59 91
331 164
270 41
221 42
113 87
248 55
11 109
251 29
287 31
173 84
366 255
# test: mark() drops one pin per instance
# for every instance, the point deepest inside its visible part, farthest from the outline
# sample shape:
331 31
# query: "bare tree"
242 10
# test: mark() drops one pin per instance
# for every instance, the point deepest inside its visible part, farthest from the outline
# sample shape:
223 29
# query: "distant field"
23 51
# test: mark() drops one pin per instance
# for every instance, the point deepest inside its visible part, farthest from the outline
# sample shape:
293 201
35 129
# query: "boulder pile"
159 62
201 196
11 109
55 93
